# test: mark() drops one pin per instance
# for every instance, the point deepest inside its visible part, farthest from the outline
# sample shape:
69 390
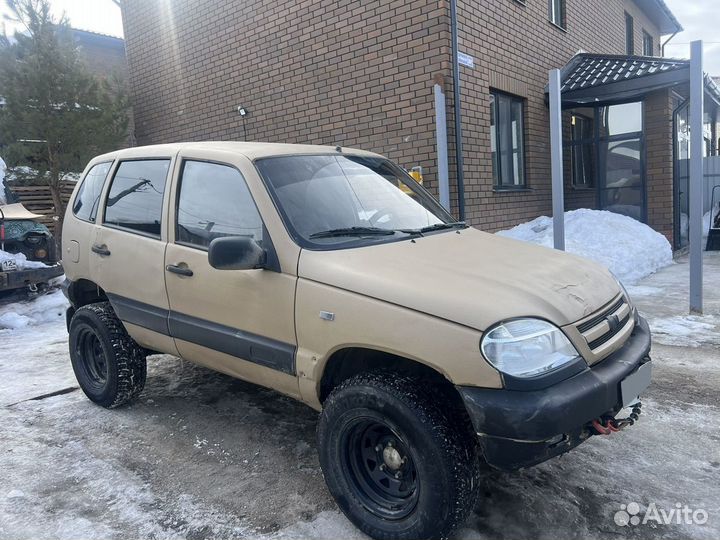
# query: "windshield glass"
329 200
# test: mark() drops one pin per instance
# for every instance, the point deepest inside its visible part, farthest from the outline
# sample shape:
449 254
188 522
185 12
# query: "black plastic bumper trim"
562 408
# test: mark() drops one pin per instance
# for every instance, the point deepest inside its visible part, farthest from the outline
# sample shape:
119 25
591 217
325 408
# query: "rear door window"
214 202
135 199
86 202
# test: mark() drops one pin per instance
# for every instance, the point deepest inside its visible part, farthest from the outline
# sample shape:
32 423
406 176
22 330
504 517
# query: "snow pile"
630 249
46 308
21 260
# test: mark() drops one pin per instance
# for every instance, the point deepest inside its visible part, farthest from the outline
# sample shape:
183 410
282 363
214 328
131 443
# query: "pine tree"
56 115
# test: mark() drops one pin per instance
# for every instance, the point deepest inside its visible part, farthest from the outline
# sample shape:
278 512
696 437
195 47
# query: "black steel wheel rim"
379 468
90 352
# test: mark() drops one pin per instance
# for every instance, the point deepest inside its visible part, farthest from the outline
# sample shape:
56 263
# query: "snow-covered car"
27 250
330 275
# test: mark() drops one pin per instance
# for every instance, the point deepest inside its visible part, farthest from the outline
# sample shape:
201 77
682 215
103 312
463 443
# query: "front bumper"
522 428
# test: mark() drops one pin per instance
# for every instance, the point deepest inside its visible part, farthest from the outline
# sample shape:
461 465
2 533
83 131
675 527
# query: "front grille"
597 319
605 325
602 340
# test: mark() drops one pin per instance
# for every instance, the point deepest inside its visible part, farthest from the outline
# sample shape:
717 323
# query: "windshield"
328 201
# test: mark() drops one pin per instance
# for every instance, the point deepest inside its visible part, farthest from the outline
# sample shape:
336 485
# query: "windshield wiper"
436 227
353 231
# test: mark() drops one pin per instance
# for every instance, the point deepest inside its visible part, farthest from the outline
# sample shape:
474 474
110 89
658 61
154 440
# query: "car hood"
469 277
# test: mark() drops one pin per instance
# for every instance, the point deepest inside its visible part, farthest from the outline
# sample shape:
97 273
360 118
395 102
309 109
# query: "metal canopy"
599 79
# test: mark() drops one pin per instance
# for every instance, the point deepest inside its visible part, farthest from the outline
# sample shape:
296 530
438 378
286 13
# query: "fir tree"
56 115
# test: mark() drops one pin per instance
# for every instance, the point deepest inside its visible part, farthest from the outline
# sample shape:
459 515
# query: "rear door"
240 322
128 250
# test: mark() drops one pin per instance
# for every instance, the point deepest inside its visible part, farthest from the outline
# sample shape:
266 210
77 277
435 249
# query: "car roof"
251 150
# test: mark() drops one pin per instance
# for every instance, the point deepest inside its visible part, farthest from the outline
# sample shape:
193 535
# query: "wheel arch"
82 292
352 360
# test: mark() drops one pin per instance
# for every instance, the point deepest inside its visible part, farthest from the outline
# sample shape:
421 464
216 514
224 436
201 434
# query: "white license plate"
634 384
9 265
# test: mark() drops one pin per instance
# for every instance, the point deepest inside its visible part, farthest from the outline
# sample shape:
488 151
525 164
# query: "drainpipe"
457 106
662 49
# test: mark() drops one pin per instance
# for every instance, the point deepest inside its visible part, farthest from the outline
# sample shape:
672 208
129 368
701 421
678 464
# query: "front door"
240 322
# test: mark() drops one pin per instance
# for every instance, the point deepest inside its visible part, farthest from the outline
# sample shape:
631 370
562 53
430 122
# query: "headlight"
527 347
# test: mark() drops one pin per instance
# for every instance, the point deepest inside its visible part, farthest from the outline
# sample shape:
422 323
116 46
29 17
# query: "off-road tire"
95 326
444 455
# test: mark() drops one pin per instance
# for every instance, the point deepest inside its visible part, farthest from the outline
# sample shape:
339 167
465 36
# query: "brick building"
363 73
103 55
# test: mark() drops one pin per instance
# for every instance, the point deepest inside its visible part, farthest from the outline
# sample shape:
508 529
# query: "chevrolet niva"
430 348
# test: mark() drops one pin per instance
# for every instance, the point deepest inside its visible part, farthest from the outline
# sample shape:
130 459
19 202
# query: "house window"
507 133
648 45
556 12
629 34
582 149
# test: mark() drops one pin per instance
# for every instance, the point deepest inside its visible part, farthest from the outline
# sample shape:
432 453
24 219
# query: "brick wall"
308 71
360 73
658 118
515 46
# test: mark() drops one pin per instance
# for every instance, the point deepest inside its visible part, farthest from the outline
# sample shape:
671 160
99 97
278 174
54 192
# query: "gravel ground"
201 455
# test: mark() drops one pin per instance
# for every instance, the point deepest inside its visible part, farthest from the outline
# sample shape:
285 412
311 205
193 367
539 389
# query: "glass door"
621 160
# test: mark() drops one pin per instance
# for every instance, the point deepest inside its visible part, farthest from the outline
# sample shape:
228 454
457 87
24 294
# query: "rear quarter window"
86 202
135 199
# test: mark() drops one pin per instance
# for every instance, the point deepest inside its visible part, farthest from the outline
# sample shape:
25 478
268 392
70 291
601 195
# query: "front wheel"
109 366
397 464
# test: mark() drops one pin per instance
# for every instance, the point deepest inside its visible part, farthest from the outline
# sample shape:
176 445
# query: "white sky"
699 17
101 16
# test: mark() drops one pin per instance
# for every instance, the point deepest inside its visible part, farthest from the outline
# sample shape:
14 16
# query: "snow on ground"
203 456
630 249
45 308
687 330
663 299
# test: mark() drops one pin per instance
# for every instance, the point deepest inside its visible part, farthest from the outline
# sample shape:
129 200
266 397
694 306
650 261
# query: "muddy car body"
329 275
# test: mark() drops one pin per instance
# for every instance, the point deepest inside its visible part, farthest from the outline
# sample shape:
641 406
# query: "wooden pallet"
37 199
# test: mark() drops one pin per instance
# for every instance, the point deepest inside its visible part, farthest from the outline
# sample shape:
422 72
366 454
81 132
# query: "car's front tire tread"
457 450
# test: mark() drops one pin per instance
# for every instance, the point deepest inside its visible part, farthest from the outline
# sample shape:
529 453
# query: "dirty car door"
128 249
240 322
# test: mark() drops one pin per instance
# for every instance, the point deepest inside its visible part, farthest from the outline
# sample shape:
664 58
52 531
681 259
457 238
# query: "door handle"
180 270
101 250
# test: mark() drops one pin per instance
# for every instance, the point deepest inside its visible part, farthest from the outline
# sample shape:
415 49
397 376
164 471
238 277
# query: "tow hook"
605 425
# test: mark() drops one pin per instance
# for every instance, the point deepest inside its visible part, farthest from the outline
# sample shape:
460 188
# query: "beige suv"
330 275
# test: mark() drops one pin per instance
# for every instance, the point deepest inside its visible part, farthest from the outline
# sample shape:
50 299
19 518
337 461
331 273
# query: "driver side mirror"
236 253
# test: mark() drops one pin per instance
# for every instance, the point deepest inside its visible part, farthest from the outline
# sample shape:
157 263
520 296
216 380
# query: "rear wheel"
397 464
109 366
